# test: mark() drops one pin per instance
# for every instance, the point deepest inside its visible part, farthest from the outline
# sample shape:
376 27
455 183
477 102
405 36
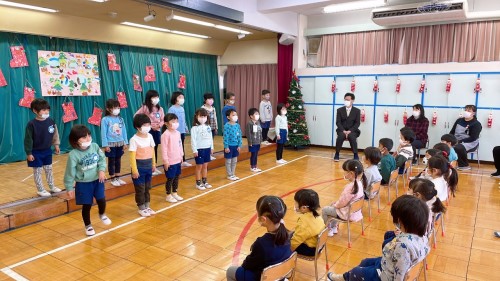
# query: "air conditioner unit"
286 39
410 14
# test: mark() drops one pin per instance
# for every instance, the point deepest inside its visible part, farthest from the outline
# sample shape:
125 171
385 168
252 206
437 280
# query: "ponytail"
274 209
438 207
281 237
164 128
452 179
357 168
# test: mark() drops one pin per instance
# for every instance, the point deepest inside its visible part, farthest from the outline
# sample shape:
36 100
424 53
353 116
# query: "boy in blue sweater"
232 143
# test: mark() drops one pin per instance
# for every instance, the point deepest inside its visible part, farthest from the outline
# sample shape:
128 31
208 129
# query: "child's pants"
101 205
366 270
142 184
231 166
37 175
328 213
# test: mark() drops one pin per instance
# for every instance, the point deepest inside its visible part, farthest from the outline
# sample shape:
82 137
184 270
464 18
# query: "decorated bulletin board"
68 74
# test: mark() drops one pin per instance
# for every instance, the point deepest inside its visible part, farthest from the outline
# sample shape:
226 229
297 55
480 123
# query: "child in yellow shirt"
309 223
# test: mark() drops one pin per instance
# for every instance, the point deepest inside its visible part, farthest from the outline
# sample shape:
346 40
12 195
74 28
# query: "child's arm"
400 161
28 141
226 136
104 131
262 111
164 144
162 117
240 138
345 197
141 110
248 133
300 235
132 154
194 140
254 261
70 173
124 133
55 139
101 164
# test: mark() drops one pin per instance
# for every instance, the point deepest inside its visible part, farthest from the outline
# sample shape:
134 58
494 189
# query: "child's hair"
265 92
175 95
428 191
412 213
273 208
77 132
229 95
408 134
356 167
252 111
449 138
167 118
387 143
444 148
141 119
200 112
39 104
208 96
228 112
373 155
110 104
279 107
421 109
449 173
147 102
308 198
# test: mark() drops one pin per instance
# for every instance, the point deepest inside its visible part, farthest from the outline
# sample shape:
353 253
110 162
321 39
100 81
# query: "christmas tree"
297 126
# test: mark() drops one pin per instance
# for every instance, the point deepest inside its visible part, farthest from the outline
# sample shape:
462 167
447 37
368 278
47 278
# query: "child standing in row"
114 140
266 110
177 101
254 137
281 125
387 163
228 104
171 150
85 170
309 223
202 144
142 163
152 108
208 105
41 134
372 158
232 143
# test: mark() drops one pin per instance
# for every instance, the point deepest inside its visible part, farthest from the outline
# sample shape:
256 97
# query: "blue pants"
366 270
305 250
42 158
142 184
254 152
114 160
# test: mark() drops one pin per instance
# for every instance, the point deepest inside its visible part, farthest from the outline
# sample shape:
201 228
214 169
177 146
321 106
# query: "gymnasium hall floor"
200 237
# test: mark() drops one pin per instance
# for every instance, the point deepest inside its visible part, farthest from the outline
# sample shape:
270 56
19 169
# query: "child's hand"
135 175
31 158
71 194
212 151
227 150
107 149
195 154
278 137
57 149
238 149
153 169
102 176
165 166
125 147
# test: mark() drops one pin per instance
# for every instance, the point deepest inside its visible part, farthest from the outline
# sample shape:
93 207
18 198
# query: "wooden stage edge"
24 212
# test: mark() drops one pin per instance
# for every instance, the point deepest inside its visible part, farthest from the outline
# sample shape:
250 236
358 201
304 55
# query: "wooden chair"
279 271
418 151
320 247
414 271
476 152
375 191
354 207
406 172
393 181
435 219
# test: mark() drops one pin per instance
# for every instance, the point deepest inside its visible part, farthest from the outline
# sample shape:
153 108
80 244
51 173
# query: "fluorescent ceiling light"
99 1
145 26
190 34
232 29
176 17
24 6
352 6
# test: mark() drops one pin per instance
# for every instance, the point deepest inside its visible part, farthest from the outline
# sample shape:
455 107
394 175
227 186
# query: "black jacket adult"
348 123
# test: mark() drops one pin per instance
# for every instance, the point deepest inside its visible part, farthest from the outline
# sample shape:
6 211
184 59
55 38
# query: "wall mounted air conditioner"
409 14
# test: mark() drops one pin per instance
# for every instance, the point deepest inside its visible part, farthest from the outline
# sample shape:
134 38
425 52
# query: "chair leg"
425 269
389 195
378 201
434 237
397 187
369 210
316 268
442 225
362 228
348 234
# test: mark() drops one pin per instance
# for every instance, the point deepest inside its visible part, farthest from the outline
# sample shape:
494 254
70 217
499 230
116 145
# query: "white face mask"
234 118
416 113
467 114
256 117
231 101
116 111
424 161
45 116
202 120
155 101
345 177
180 101
145 129
283 112
347 103
175 125
86 143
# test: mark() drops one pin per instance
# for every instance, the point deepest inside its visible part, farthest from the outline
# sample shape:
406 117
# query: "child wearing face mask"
85 171
371 159
232 143
450 140
444 177
387 164
208 105
171 151
428 154
281 126
152 108
405 150
142 163
309 224
353 173
114 140
177 101
254 137
266 109
41 134
228 104
203 146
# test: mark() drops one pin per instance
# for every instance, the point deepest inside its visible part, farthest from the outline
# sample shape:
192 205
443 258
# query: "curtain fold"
459 42
285 68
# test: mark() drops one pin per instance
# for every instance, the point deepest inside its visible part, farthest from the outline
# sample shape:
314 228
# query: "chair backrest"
280 270
414 271
375 188
407 165
394 176
322 238
356 206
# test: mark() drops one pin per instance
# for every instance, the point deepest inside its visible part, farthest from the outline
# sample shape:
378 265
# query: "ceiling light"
151 14
175 17
190 34
352 6
241 36
145 26
99 1
232 29
24 6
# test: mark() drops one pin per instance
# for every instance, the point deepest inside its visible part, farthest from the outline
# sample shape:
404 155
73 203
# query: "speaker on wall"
286 39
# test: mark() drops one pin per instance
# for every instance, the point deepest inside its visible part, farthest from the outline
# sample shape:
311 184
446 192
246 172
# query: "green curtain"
200 71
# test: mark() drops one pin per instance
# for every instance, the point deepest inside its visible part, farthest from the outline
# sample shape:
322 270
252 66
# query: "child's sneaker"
235 177
89 230
335 277
207 185
186 164
105 219
231 178
281 161
332 231
44 193
177 197
114 182
200 187
150 211
122 182
156 172
212 158
144 213
257 169
171 199
55 189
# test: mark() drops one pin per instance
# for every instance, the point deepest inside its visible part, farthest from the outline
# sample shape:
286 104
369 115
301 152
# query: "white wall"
251 52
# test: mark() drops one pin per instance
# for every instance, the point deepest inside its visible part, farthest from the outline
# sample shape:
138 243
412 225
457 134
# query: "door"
319 120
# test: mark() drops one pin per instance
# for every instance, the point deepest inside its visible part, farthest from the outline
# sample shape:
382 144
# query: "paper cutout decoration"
29 96
137 83
182 82
112 65
96 117
164 65
69 112
3 82
122 99
150 74
18 57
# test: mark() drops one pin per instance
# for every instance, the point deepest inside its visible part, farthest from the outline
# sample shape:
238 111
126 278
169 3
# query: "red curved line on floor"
244 232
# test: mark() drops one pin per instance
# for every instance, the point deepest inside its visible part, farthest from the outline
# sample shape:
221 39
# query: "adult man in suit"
348 120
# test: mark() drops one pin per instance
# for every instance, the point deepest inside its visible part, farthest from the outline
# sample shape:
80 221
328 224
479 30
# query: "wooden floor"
200 237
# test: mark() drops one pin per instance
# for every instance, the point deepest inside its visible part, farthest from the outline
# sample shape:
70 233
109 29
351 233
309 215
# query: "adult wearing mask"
467 131
348 120
419 124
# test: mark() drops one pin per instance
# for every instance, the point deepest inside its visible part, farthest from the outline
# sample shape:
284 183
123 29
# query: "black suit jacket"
348 123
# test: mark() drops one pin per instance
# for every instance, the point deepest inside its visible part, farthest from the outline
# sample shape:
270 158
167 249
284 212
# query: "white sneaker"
200 187
105 219
212 158
150 211
144 213
171 199
281 161
89 230
207 185
115 182
186 164
231 178
177 197
332 231
235 177
122 182
156 172
284 161
335 277
44 193
55 189
256 170
265 143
